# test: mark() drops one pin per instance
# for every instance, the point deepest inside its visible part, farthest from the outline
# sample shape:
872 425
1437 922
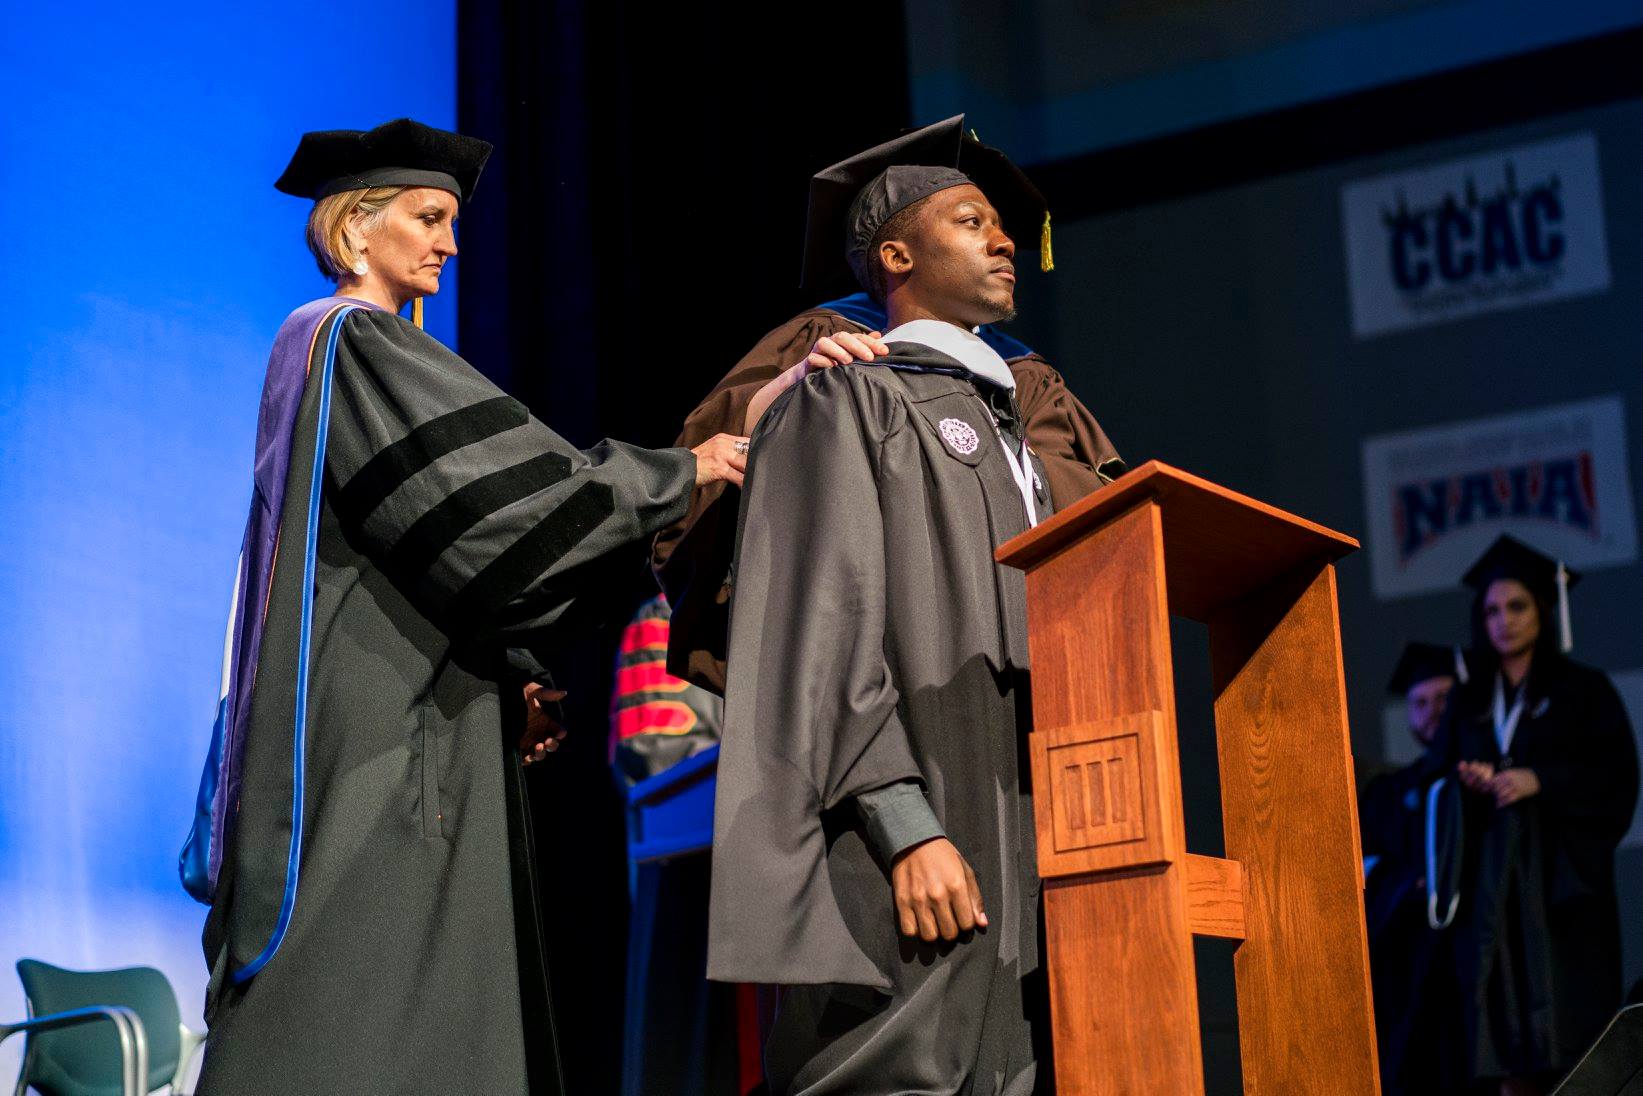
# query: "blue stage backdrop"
149 262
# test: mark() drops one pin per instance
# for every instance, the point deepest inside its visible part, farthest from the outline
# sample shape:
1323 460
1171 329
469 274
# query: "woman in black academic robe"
414 533
1545 752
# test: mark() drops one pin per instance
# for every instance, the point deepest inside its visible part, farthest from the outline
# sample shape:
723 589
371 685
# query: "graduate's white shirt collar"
964 347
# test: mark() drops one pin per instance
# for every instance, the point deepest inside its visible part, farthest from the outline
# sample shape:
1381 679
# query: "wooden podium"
1122 896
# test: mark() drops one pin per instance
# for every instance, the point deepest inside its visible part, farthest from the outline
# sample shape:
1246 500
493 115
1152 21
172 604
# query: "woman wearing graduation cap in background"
414 534
1545 752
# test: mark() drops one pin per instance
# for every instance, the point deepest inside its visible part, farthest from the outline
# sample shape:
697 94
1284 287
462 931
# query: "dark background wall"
639 228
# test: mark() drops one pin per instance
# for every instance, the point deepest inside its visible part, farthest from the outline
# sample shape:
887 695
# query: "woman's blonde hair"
339 224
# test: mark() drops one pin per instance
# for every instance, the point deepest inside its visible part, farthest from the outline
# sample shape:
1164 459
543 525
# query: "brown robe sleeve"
692 557
1077 456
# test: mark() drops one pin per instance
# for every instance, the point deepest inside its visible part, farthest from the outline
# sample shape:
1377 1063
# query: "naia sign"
1556 478
1483 234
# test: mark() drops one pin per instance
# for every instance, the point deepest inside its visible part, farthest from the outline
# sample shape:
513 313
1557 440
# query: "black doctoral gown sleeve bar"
810 613
478 512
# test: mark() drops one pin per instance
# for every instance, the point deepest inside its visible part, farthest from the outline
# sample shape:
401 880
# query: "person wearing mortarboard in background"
1403 814
692 557
873 828
1544 749
415 536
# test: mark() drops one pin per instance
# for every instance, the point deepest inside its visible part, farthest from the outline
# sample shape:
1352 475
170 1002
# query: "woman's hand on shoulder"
840 348
721 457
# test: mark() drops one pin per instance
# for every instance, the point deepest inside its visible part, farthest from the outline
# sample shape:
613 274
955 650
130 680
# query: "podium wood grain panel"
1125 1014
1125 1017
1098 796
1304 1015
1215 897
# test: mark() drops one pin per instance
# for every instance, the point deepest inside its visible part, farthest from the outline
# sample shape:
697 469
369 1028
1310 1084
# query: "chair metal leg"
133 1041
189 1044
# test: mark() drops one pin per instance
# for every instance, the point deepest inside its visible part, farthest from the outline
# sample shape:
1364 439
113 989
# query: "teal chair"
142 1046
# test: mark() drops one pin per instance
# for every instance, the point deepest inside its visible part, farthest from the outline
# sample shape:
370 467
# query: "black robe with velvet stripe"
874 639
452 528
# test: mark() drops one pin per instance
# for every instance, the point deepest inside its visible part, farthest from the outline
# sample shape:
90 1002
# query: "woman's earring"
361 268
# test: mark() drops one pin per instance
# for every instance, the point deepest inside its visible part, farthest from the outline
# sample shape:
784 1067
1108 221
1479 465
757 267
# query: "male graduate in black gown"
873 846
1408 919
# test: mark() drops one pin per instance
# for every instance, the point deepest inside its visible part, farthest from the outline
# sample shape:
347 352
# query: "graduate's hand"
936 892
1511 785
1475 776
721 457
542 733
840 349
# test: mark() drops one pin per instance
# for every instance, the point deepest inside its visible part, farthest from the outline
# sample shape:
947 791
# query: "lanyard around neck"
1021 468
1506 721
1021 463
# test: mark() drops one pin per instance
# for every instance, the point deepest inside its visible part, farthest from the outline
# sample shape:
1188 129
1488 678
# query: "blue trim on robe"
1436 881
194 863
290 364
299 738
862 309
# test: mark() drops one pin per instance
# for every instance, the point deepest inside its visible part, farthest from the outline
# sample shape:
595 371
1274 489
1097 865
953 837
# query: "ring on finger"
740 446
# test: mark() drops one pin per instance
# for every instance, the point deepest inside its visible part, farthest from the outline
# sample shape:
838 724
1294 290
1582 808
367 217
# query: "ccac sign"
1556 478
1476 235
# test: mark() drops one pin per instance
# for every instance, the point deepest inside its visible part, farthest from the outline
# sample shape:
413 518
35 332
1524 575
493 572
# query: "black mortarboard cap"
853 199
397 153
1509 557
1546 578
1422 662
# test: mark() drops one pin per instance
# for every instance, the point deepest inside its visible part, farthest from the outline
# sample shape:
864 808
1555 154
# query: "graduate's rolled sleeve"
897 817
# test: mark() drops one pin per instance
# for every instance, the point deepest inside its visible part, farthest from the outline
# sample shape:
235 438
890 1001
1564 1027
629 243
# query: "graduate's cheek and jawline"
957 266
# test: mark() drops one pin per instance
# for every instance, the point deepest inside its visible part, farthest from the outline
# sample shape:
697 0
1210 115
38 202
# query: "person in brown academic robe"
692 557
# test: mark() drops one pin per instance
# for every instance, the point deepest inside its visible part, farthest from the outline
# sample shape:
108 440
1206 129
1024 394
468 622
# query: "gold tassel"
416 309
1046 257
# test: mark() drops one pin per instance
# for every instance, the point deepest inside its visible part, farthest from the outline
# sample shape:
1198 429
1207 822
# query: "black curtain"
638 228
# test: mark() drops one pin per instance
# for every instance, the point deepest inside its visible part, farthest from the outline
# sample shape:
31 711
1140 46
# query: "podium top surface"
1218 544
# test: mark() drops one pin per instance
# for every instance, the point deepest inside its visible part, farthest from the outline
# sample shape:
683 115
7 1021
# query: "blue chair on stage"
101 1033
